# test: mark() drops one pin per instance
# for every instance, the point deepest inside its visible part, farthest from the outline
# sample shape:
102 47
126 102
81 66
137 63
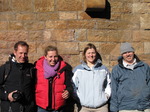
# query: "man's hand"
65 94
10 98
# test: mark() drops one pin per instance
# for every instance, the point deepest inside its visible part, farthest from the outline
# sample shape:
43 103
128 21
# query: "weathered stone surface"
47 16
13 35
147 47
67 15
44 5
35 36
7 17
62 35
68 47
80 35
141 36
69 5
25 16
141 7
97 35
15 25
145 22
110 49
22 5
74 60
83 15
34 25
121 7
3 25
82 24
139 48
56 24
5 5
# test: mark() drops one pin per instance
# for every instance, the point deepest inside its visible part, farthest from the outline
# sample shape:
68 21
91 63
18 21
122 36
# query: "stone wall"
67 25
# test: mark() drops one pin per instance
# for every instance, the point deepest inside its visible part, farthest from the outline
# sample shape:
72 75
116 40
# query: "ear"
14 52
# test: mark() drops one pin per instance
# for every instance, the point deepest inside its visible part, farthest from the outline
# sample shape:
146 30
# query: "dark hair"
90 46
50 48
21 43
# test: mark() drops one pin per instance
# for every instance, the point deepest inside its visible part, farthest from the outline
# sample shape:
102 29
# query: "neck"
130 62
90 64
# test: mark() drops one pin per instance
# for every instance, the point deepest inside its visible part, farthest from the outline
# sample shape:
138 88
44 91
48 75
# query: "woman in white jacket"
92 82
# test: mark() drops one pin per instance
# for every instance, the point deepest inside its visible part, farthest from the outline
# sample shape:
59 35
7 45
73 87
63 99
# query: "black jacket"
20 78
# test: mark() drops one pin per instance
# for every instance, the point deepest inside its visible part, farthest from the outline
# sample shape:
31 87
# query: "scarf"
50 71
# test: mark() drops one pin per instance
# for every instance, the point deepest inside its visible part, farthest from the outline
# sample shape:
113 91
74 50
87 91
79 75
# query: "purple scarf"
50 71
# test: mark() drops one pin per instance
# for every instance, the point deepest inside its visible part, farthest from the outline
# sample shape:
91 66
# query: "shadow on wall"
100 13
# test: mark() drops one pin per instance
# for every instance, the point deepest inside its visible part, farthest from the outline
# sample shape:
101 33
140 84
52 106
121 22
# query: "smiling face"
21 54
128 57
52 58
90 56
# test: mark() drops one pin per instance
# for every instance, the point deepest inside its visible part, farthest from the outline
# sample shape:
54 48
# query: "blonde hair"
50 48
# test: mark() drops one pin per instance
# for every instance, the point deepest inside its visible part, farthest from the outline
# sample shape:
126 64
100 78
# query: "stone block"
34 25
141 7
75 60
62 35
13 35
69 5
141 36
97 35
22 5
83 15
144 21
48 16
68 48
5 5
7 17
80 35
139 47
61 24
15 25
147 47
35 36
67 15
119 36
44 5
3 25
80 24
121 7
4 45
25 16
105 60
110 49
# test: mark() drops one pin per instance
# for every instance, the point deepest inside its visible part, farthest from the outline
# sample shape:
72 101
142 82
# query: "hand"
10 98
65 94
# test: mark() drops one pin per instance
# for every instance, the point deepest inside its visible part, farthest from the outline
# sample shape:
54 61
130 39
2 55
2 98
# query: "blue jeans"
43 110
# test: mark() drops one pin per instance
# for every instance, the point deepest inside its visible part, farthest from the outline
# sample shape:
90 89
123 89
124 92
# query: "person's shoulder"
116 67
78 67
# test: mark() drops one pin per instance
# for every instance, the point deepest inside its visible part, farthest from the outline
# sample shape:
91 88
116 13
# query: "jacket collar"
97 64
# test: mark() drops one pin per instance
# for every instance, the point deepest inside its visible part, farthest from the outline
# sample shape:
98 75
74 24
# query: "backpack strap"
7 69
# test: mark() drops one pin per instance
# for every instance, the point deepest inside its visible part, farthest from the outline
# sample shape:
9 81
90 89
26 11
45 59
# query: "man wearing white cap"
130 81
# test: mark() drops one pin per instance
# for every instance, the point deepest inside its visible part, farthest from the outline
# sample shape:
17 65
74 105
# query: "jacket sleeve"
114 86
3 93
68 77
108 86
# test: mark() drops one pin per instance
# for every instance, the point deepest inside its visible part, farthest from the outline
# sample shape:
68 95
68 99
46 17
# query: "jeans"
43 110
